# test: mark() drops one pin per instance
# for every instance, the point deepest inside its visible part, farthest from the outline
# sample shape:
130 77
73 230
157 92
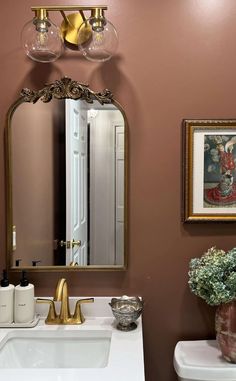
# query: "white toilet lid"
202 360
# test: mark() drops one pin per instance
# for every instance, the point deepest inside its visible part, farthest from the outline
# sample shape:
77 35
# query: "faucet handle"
52 316
78 316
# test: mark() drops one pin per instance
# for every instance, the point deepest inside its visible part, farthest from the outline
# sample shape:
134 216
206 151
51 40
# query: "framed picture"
209 186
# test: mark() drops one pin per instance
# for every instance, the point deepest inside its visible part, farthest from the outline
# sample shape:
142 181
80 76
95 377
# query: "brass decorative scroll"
66 88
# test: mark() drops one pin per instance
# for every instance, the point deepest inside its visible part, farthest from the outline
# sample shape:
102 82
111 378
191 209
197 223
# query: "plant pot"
225 324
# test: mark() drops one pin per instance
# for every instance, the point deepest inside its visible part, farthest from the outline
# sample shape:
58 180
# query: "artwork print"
209 170
219 171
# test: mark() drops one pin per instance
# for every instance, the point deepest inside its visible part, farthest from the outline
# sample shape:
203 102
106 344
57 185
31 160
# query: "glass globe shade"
101 45
41 40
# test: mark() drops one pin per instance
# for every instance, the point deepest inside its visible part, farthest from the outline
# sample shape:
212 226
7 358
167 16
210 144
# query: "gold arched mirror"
66 161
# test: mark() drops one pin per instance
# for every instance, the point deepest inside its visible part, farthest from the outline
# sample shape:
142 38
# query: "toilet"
201 360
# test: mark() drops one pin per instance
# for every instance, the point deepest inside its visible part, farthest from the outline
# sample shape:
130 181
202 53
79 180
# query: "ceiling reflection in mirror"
67 185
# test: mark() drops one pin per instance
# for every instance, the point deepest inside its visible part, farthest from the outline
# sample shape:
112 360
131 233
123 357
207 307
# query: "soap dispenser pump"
24 306
6 299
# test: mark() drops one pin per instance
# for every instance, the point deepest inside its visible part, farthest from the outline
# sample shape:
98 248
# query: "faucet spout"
62 296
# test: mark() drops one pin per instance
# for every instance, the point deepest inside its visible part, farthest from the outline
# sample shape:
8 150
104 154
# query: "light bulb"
41 40
102 43
99 38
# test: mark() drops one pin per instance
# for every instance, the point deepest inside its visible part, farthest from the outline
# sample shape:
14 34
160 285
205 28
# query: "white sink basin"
50 349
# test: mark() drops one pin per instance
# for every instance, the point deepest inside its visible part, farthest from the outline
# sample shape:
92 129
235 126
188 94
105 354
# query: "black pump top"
34 263
4 281
24 281
18 262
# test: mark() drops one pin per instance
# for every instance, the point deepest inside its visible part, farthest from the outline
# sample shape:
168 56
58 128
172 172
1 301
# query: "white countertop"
125 357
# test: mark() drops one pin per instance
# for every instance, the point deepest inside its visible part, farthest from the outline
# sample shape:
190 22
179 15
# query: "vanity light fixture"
95 36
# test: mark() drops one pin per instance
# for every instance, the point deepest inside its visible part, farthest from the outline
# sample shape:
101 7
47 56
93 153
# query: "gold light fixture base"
69 29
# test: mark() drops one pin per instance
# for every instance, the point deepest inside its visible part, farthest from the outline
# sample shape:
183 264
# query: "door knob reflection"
76 243
70 244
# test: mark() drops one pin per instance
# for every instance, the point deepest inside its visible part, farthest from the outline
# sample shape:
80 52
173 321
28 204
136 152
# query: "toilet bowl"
201 360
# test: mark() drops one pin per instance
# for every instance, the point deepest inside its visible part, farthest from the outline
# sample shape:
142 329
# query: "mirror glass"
67 185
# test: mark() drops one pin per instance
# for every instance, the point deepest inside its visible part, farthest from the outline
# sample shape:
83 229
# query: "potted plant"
212 277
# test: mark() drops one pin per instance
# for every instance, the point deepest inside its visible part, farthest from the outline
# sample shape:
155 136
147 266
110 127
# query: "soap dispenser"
24 306
6 299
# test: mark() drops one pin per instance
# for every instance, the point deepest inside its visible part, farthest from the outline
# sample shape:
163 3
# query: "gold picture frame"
209 170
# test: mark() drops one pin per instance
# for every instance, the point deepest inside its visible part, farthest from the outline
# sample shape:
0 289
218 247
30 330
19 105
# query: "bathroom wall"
176 60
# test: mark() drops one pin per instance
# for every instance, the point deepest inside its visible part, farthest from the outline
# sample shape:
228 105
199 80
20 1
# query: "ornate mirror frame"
59 89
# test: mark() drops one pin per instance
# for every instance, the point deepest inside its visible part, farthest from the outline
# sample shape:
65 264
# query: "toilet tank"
201 360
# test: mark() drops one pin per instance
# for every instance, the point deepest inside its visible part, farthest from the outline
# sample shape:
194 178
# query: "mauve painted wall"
176 60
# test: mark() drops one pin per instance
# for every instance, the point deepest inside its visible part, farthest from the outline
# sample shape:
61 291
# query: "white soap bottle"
6 300
24 306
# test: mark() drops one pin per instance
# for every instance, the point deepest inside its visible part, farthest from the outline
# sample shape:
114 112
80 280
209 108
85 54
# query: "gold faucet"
64 317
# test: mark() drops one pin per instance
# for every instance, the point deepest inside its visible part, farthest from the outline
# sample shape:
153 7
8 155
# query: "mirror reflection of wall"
68 183
107 191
